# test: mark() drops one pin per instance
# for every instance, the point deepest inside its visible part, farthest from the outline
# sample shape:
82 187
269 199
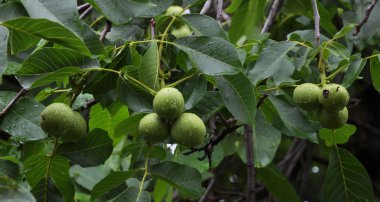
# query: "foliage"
108 59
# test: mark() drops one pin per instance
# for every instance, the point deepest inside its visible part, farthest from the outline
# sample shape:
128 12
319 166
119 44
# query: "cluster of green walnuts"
179 29
330 101
60 121
170 121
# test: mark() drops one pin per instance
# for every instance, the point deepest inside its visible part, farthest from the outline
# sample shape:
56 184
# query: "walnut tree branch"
317 18
271 16
85 13
251 172
206 7
83 6
365 18
21 93
219 11
107 28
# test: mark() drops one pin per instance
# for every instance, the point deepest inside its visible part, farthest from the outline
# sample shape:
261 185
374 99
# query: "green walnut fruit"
153 129
59 120
188 130
334 97
183 31
174 10
168 103
333 119
306 96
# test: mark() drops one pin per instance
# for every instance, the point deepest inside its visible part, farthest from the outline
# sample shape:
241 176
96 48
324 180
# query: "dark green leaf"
186 179
239 96
294 120
88 177
38 167
48 30
337 49
211 55
133 194
375 71
204 25
22 121
346 179
338 136
149 67
125 33
4 34
345 30
129 125
277 184
136 99
9 168
11 10
11 191
193 91
46 190
273 59
110 182
92 150
60 75
209 104
356 66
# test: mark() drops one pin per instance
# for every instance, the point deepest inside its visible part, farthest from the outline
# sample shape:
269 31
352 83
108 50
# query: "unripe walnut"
153 129
174 10
188 130
306 96
59 120
168 103
334 97
183 31
333 119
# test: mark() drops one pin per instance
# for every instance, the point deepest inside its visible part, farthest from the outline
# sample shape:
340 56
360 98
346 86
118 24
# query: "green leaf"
239 96
44 63
346 179
11 191
204 25
133 194
209 104
46 190
345 30
149 67
193 91
60 75
136 99
4 34
266 140
9 167
122 11
211 55
48 30
294 120
273 59
235 4
11 10
88 177
277 184
375 71
338 136
338 50
248 20
129 125
92 150
356 67
188 180
100 118
125 33
39 167
22 121
110 182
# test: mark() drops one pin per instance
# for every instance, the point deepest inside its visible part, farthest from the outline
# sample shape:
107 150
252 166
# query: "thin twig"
83 6
271 16
152 28
251 173
206 7
317 18
86 12
365 18
219 11
21 93
107 28
210 185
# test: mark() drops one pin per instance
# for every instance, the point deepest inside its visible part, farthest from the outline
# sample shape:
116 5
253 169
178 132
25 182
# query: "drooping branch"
271 16
85 13
251 172
152 24
206 7
21 93
317 18
107 28
365 18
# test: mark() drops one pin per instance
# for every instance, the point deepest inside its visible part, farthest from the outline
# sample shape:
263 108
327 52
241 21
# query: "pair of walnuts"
60 121
330 101
169 120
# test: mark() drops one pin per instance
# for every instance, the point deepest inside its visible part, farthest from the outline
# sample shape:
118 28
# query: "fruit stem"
145 87
322 70
180 81
97 20
145 174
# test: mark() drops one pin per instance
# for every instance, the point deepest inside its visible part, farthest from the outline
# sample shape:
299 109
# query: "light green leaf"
100 118
294 120
353 71
39 167
346 179
129 125
48 30
345 30
149 66
4 34
204 25
188 180
375 71
239 96
22 121
273 59
110 182
11 10
92 150
211 55
341 134
60 75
